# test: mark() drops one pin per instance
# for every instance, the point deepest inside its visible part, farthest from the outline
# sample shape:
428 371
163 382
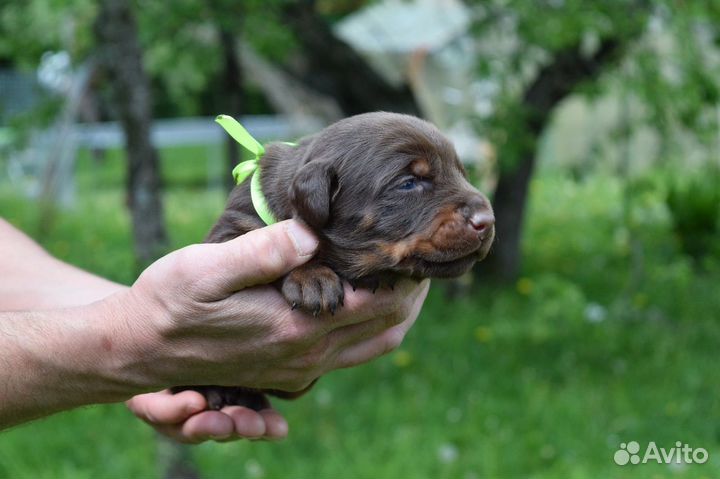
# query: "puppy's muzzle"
479 216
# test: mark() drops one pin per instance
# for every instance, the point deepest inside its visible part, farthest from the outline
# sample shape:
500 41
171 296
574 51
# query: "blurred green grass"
542 379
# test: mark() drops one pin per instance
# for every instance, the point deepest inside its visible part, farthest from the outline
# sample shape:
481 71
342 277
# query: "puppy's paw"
313 288
220 396
374 282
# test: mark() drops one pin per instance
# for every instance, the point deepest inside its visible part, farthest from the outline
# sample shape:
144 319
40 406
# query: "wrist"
61 359
127 346
95 351
100 349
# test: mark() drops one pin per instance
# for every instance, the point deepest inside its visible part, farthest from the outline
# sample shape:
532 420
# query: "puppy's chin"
422 268
440 264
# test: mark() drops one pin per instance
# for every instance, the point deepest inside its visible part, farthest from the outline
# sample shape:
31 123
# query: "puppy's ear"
311 193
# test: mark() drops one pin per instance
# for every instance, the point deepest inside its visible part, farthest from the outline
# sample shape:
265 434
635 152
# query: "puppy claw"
294 306
313 288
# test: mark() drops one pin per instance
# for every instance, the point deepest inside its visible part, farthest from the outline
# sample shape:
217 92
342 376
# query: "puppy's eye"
409 184
414 182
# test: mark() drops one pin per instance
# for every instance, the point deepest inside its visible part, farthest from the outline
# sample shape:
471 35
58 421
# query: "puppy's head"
387 193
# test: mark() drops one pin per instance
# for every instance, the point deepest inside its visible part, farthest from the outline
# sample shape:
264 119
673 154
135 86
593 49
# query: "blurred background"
594 126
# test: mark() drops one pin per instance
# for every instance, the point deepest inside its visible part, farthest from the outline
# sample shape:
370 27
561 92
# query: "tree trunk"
336 70
288 95
553 83
233 95
121 58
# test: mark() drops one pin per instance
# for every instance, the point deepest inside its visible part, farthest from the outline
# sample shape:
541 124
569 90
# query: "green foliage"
32 27
183 51
541 379
264 29
670 62
42 115
694 203
674 71
181 45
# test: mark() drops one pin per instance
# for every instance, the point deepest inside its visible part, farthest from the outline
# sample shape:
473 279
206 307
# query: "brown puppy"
387 197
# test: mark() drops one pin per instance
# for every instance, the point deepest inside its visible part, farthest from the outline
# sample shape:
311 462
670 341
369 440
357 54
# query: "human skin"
204 314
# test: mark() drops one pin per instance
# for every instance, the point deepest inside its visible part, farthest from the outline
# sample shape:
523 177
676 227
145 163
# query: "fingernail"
305 242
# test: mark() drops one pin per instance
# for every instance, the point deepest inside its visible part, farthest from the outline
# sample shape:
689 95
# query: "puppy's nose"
478 214
482 222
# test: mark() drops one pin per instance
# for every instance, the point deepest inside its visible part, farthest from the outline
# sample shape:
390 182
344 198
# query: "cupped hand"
184 418
207 314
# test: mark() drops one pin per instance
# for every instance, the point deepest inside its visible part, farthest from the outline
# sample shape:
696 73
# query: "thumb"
263 255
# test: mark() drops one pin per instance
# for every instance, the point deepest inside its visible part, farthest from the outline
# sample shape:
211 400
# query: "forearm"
204 314
32 279
59 347
60 359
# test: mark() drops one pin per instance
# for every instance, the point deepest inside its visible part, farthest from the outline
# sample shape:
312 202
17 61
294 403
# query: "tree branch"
120 56
561 76
553 83
336 70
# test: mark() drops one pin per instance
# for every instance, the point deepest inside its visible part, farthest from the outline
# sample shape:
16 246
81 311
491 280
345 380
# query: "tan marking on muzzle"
424 242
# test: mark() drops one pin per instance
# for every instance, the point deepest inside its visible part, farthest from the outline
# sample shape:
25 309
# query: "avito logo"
680 454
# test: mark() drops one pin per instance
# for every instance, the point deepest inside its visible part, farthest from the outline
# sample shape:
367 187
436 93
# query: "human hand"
205 315
183 417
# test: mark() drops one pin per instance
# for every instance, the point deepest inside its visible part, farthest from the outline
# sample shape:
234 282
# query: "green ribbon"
249 167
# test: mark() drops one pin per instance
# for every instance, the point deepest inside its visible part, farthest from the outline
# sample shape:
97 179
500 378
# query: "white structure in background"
55 72
426 44
45 168
389 32
31 167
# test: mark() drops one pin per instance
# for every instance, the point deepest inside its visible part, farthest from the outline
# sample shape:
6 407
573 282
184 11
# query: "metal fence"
53 152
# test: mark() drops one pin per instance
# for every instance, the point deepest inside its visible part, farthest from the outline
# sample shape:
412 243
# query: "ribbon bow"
249 167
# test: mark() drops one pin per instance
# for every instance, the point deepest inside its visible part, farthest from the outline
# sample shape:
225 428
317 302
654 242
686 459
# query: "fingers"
360 342
370 349
276 427
363 305
230 424
181 417
261 256
264 255
264 424
369 312
246 422
165 407
364 345
391 307
347 336
207 425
